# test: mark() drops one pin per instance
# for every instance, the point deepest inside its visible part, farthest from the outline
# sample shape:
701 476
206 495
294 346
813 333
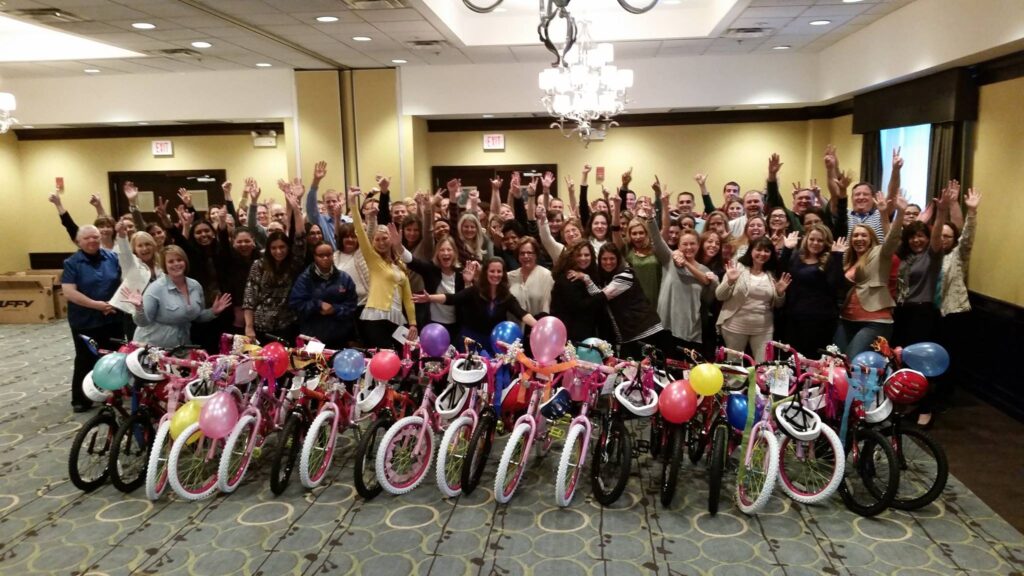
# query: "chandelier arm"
570 33
545 37
634 10
482 9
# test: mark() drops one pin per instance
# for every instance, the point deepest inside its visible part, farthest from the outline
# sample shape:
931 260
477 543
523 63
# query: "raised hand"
774 164
186 217
839 185
96 202
782 283
282 185
133 297
161 207
394 236
840 245
701 178
541 213
454 186
222 303
732 271
972 200
496 183
420 198
547 180
513 187
297 188
656 185
627 177
901 203
319 171
252 189
897 160
226 187
185 196
55 199
791 240
120 230
570 186
131 193
586 174
882 201
384 183
678 259
531 188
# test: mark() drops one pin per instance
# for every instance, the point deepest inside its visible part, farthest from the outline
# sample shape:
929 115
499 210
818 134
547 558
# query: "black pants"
207 334
377 334
913 323
954 334
808 334
85 359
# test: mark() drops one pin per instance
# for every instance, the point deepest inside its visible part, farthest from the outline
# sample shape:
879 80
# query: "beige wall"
84 164
13 254
997 266
375 101
318 100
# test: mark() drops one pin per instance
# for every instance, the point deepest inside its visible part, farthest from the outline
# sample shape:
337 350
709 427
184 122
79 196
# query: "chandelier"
582 89
7 105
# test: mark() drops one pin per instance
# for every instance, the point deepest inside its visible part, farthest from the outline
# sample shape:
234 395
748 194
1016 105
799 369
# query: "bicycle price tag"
315 347
778 380
400 333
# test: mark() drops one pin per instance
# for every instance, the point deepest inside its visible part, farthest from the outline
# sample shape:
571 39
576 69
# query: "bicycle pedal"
641 447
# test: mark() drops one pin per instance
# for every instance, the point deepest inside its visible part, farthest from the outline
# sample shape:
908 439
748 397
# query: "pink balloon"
219 415
385 365
547 340
678 403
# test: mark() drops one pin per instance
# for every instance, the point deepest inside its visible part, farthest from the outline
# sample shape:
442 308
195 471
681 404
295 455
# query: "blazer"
871 281
732 295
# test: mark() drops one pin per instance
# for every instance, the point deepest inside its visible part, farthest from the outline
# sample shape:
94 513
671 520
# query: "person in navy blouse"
325 299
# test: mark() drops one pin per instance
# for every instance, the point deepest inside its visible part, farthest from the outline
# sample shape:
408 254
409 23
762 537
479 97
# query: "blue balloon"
736 410
349 364
507 332
870 359
928 358
111 371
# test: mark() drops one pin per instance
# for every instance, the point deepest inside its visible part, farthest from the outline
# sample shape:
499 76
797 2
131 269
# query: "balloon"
736 410
111 371
547 340
840 382
589 354
434 339
507 332
185 416
678 402
706 379
273 361
928 358
870 359
385 365
219 415
349 364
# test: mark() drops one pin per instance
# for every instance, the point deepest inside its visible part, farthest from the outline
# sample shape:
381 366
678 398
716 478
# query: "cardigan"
732 295
135 275
953 281
382 284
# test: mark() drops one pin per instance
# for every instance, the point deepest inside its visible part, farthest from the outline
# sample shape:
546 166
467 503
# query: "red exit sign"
494 141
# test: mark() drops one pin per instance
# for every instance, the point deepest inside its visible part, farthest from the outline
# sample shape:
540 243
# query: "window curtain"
871 159
945 161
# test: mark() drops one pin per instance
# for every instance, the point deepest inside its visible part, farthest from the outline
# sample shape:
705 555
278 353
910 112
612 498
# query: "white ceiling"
284 33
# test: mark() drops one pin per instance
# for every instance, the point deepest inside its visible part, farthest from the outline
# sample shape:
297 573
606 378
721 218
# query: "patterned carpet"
49 527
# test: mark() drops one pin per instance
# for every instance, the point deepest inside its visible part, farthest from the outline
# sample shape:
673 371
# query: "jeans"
856 337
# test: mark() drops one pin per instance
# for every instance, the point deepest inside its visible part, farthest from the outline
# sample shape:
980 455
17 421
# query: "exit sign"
494 141
163 148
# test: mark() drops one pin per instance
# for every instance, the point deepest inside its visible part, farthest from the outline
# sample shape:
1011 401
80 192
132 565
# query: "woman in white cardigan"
750 292
140 265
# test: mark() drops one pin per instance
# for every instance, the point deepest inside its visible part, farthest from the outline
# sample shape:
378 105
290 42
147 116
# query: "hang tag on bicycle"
315 347
779 378
400 334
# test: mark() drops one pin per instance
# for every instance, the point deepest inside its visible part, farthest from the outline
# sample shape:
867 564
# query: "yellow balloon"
706 379
185 416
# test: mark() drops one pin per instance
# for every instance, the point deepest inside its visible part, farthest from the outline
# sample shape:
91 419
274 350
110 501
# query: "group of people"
631 269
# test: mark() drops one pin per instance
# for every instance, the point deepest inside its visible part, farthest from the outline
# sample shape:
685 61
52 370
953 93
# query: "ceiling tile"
323 6
198 20
829 10
86 28
379 42
445 57
389 15
173 35
782 3
169 10
405 26
349 30
729 46
636 50
343 16
489 54
109 11
773 23
267 19
299 33
224 31
530 53
772 12
684 47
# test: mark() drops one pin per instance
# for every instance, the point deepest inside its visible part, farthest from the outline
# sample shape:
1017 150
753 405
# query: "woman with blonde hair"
442 274
811 312
140 264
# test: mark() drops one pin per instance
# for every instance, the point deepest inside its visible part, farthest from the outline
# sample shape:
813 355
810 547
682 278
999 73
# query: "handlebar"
724 353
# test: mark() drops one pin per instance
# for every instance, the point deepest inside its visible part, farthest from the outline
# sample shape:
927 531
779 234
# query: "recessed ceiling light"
27 126
850 1
488 115
201 44
326 19
782 47
763 106
143 26
362 38
263 65
143 123
399 61
91 70
820 22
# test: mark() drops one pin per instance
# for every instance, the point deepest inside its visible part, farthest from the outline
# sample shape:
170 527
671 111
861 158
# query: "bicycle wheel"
872 473
478 451
696 439
288 443
611 462
716 466
191 474
89 459
451 456
365 470
129 455
760 469
318 449
513 462
237 454
159 453
673 462
401 462
924 469
570 465
811 471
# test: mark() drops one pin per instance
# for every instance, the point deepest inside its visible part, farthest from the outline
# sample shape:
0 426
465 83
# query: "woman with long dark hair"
266 293
633 317
580 311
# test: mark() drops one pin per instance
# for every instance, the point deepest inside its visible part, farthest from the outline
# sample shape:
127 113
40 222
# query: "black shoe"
927 425
79 408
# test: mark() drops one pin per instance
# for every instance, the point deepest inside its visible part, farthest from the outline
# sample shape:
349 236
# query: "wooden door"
205 186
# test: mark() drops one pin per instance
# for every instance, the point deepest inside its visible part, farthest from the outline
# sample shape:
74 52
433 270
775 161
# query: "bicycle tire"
516 455
200 473
286 453
613 455
716 465
318 449
696 439
96 442
861 489
159 454
399 446
478 452
673 462
822 459
570 465
129 456
368 486
913 471
761 468
451 456
235 458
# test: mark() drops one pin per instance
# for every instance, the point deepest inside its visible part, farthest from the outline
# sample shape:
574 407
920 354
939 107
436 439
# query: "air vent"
375 4
741 33
175 52
46 15
431 45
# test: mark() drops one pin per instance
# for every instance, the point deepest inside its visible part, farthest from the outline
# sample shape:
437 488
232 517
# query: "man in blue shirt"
91 277
332 201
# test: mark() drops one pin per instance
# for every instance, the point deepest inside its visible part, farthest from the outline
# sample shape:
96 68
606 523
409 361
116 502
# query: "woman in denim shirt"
171 303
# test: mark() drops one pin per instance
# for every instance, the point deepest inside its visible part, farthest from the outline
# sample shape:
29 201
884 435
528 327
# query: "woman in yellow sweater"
389 297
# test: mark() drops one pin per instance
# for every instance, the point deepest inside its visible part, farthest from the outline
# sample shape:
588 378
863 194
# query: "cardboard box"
60 303
26 298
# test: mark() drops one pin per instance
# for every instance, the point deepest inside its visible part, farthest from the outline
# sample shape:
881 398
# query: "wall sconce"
264 138
8 104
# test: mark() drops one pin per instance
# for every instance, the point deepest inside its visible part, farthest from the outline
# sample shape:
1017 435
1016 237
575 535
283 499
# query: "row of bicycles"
812 427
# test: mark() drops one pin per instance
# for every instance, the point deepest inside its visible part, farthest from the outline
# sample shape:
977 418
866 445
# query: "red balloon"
839 382
385 365
678 403
273 361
